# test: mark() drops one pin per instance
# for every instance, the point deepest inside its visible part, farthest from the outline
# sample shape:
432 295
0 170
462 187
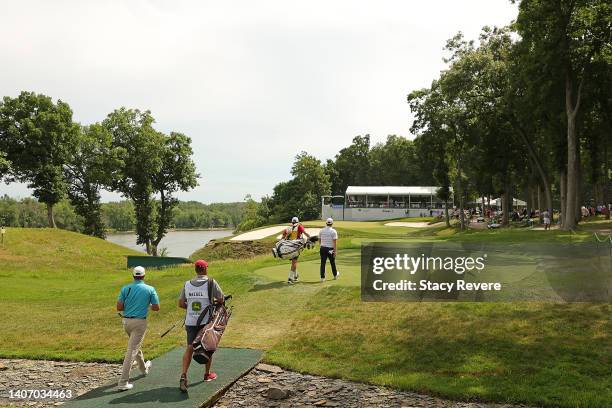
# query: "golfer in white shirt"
327 239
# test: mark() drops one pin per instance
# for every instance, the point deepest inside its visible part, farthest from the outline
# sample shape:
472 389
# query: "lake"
179 243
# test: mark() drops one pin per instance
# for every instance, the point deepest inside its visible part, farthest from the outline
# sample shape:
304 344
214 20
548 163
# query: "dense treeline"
30 213
522 112
59 159
526 111
395 162
118 216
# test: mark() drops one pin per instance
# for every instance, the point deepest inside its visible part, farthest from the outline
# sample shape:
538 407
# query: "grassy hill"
64 285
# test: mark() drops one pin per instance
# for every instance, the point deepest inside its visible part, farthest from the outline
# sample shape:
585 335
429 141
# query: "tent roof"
390 190
497 201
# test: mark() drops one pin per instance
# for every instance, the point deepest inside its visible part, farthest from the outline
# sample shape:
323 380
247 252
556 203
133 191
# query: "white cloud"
252 82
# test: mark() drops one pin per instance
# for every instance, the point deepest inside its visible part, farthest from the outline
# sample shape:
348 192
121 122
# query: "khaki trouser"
135 329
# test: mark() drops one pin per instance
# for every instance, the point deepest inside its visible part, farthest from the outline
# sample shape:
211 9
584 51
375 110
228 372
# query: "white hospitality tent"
366 203
497 202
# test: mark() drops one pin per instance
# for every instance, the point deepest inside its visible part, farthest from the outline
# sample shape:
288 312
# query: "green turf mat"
160 387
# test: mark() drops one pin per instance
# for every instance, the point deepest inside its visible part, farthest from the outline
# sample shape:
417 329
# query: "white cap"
329 221
138 272
295 220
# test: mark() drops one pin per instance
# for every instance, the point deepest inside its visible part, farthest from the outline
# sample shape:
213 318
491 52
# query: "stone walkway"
270 386
264 386
45 376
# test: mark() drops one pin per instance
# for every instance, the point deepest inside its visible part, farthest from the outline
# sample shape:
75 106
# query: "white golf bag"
289 249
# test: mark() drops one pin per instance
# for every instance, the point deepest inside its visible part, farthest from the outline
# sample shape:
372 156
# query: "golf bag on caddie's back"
209 335
289 249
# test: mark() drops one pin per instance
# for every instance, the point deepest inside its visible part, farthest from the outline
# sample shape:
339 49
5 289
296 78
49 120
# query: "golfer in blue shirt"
134 300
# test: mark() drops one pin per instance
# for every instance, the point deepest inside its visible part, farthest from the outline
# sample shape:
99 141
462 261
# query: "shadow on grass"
267 286
106 390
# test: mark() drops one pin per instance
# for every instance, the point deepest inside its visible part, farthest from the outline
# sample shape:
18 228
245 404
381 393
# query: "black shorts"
192 332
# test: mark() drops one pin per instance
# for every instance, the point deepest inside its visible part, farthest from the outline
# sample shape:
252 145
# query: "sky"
252 83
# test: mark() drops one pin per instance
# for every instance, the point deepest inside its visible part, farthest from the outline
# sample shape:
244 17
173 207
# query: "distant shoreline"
173 230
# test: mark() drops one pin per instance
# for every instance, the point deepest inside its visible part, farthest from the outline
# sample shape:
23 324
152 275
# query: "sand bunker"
408 224
259 234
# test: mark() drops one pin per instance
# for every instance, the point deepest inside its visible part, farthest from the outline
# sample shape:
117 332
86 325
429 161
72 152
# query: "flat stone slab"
160 387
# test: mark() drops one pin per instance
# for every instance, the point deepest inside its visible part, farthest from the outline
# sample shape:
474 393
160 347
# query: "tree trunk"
606 186
529 197
460 193
482 214
461 214
50 216
538 166
446 213
563 193
505 208
571 109
579 192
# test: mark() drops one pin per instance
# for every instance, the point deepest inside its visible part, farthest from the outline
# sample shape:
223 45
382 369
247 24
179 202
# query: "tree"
5 165
89 168
36 135
301 196
119 215
140 148
573 35
177 173
432 152
352 165
255 214
395 163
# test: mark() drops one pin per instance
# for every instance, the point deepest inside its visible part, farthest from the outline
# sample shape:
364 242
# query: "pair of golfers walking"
137 298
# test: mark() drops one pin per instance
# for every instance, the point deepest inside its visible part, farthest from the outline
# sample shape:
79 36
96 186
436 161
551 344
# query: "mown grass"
63 286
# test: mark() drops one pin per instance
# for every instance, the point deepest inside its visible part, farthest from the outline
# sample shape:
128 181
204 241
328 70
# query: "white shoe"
125 387
295 277
322 280
148 365
337 274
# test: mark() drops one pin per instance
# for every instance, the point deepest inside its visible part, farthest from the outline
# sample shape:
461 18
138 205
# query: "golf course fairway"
58 291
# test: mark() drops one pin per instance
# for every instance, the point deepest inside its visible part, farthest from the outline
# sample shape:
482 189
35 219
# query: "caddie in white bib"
197 300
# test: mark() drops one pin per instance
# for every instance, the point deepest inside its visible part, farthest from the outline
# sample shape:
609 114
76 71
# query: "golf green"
161 385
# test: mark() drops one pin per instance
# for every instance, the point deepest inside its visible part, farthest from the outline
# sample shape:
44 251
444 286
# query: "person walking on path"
194 298
294 231
328 238
546 217
134 301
